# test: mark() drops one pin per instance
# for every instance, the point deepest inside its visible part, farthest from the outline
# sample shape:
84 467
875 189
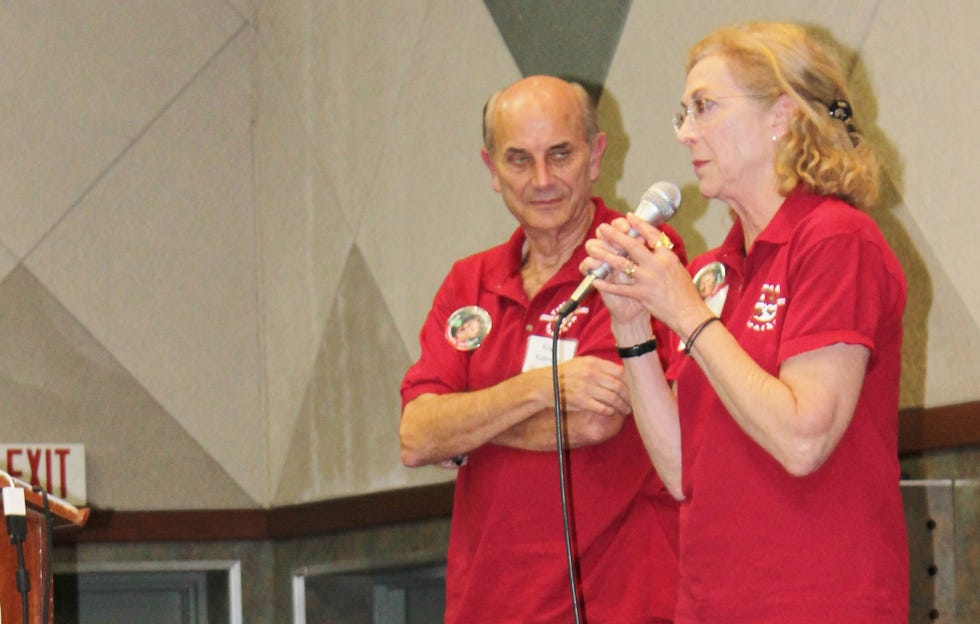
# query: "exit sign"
58 468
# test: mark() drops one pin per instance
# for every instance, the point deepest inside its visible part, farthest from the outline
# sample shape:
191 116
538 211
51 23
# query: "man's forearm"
539 433
437 427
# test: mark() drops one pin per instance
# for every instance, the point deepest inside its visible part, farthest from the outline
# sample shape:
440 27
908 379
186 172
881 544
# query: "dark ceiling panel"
574 39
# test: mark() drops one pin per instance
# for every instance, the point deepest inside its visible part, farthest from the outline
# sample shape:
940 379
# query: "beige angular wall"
222 223
127 213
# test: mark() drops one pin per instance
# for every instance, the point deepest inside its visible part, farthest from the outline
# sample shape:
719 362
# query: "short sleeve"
843 286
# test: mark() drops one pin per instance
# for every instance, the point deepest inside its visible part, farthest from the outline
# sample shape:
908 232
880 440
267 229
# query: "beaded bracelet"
697 332
637 350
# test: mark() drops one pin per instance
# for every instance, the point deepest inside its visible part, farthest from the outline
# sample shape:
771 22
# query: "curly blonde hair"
825 153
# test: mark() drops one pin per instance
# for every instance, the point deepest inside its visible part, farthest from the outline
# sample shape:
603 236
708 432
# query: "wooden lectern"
63 515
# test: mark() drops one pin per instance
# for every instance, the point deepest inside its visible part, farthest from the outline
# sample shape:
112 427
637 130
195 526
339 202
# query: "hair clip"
840 109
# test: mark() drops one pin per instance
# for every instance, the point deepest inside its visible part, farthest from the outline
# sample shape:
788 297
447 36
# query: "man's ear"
595 156
492 167
487 160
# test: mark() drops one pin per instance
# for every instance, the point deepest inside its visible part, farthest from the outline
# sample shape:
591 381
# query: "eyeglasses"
701 107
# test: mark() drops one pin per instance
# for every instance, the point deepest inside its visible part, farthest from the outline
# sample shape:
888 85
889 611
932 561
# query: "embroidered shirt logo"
549 320
766 309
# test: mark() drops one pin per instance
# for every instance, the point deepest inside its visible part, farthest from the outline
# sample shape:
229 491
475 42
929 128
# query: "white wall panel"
918 57
159 262
79 83
7 262
247 207
431 201
304 237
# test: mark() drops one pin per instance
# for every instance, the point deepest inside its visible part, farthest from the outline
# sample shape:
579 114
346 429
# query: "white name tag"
538 353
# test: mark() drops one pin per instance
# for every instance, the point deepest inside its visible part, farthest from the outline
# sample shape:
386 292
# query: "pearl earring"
774 138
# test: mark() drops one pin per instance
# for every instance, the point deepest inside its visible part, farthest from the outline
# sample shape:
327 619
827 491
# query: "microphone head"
659 203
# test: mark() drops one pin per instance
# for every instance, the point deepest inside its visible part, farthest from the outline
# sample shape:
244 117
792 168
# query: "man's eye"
701 105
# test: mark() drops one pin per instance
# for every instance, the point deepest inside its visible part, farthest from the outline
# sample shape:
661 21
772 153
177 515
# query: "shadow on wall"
617 146
920 288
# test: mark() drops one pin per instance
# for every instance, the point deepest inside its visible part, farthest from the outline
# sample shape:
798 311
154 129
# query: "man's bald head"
540 91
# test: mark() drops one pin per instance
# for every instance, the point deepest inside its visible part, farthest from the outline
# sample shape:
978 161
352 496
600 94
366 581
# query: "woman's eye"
702 105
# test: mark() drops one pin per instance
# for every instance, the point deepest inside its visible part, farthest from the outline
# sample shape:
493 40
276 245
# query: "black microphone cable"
657 205
49 552
562 470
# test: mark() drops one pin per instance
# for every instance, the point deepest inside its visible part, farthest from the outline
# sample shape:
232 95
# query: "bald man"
485 405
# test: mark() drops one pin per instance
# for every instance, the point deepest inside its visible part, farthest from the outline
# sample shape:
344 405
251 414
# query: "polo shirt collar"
506 271
797 205
794 209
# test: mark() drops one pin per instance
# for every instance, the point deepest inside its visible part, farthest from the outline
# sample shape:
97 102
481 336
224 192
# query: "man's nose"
542 174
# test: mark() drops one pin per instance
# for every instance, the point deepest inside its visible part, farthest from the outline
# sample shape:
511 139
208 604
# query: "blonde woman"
776 420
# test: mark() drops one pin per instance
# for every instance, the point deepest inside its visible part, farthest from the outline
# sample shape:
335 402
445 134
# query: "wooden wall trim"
405 505
920 430
107 525
927 429
368 510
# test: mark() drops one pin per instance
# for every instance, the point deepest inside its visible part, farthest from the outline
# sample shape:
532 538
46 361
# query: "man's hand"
595 403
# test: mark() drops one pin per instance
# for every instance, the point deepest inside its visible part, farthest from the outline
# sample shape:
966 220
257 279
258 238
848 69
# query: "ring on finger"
663 241
630 269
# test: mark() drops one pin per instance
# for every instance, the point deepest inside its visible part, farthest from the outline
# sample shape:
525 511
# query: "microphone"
657 205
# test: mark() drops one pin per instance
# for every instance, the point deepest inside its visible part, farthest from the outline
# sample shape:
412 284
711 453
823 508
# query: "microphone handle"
600 272
585 287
